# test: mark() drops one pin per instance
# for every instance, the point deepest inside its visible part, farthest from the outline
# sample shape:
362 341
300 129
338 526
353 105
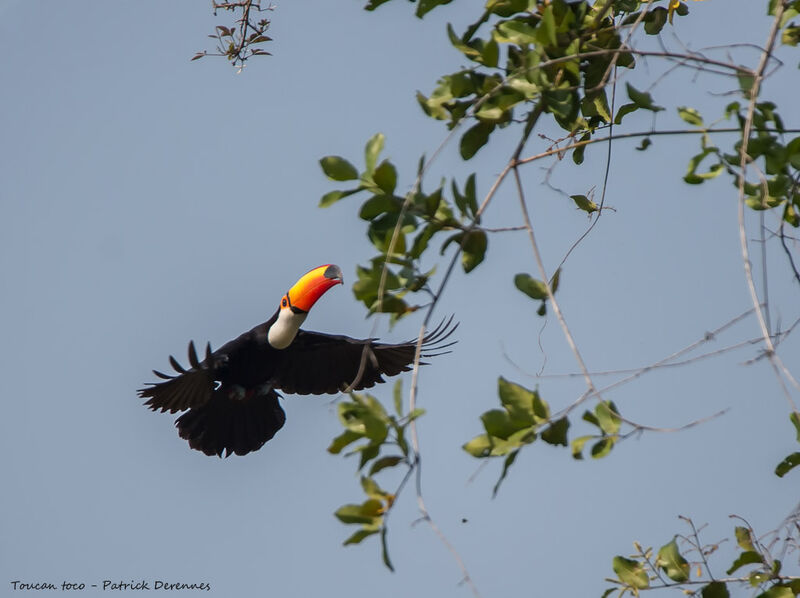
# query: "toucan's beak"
304 294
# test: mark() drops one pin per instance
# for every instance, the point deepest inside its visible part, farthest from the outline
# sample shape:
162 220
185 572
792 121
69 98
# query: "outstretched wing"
186 388
317 363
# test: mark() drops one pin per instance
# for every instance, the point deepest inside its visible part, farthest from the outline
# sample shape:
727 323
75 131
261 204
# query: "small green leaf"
787 464
515 32
578 444
332 197
397 395
691 116
631 572
517 400
372 150
345 438
475 138
367 513
480 446
715 589
608 417
423 8
584 203
778 591
507 463
385 176
473 249
642 99
603 447
384 462
384 544
795 418
535 289
743 538
360 535
655 20
748 557
672 562
578 152
338 169
556 432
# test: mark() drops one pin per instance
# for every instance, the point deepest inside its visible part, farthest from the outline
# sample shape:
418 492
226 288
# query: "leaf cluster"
382 445
669 568
245 37
401 228
776 182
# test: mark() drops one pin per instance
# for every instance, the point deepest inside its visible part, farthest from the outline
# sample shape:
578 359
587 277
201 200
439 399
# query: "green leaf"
384 462
608 417
556 432
514 32
473 249
603 447
642 99
397 395
533 288
372 489
372 150
715 589
507 463
385 546
360 535
332 197
480 446
631 572
748 557
691 116
787 464
367 513
624 110
578 444
474 139
517 401
743 538
385 176
423 8
671 561
498 423
338 169
584 203
778 591
795 418
578 152
655 20
345 438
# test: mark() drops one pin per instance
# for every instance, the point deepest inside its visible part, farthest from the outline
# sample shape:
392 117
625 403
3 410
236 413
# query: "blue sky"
147 200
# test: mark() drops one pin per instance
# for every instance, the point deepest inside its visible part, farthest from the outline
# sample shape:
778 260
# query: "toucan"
230 398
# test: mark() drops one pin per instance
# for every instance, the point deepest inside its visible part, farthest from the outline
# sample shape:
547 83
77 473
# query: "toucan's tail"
232 425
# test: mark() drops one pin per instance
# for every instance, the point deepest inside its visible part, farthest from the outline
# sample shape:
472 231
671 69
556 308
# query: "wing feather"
317 363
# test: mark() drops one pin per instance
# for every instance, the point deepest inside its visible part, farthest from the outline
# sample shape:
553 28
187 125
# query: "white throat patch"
282 332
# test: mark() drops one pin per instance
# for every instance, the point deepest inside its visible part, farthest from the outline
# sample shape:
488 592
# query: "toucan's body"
231 394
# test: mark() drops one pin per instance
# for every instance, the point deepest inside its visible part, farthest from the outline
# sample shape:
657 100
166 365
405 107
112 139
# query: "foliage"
529 66
243 39
551 63
669 568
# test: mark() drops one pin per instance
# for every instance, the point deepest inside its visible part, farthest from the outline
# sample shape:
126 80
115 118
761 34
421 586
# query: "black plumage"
231 394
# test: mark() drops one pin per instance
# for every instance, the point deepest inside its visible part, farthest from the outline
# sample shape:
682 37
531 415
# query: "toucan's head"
296 303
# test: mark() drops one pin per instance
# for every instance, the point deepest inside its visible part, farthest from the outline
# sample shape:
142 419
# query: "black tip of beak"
334 272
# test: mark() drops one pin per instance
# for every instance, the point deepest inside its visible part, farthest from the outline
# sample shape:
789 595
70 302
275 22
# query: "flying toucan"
231 394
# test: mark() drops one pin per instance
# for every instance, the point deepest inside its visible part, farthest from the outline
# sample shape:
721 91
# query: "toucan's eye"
284 303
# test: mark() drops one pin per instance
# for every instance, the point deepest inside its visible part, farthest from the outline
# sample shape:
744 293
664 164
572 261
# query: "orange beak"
304 294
